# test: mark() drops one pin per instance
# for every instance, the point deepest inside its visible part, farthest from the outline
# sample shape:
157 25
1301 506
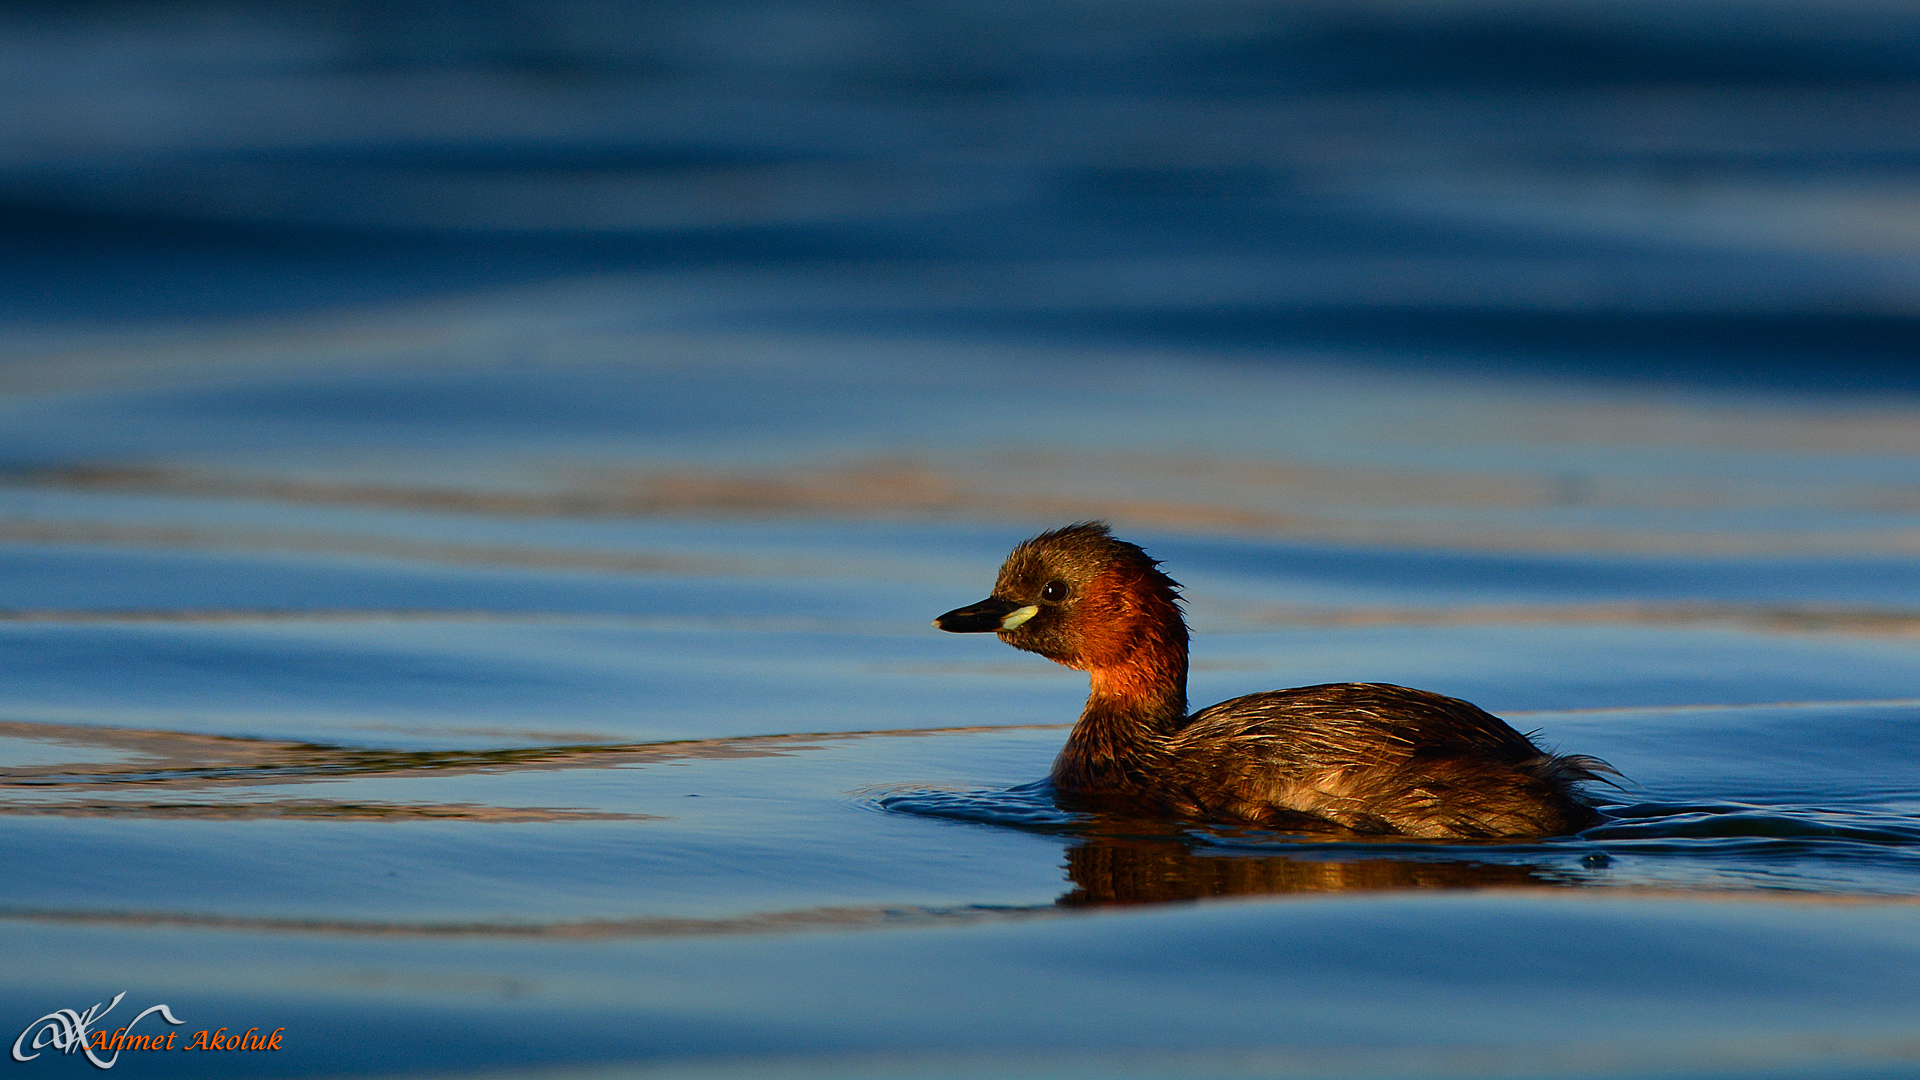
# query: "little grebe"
1353 757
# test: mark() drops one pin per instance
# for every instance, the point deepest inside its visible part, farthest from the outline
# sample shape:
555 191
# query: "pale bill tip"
1019 615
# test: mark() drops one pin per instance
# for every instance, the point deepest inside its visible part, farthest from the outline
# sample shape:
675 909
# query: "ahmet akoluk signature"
68 1030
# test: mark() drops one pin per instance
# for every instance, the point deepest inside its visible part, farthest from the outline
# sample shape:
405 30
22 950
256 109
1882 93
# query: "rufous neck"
1121 734
1134 646
1151 691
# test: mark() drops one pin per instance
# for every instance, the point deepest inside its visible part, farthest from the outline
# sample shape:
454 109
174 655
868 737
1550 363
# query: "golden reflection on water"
142 768
149 772
1181 492
311 809
1114 871
179 759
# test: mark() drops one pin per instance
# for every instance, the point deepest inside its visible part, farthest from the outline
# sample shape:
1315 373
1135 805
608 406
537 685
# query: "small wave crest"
1029 806
1740 821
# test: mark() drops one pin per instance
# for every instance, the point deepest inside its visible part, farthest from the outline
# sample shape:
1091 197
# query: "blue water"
475 479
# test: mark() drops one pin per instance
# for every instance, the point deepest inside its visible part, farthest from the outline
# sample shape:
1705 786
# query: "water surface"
471 505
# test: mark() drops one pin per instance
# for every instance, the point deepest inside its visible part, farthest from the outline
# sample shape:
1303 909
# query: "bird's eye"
1055 592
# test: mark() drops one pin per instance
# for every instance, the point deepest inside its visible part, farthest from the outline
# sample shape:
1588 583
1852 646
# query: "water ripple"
1645 821
1115 858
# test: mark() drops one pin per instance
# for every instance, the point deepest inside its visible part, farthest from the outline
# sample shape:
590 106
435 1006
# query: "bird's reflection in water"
1133 870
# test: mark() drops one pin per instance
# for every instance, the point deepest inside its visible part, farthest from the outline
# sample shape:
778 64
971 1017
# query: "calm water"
317 741
472 503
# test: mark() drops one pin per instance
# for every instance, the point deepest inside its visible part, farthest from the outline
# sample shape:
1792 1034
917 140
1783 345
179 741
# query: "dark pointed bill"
986 617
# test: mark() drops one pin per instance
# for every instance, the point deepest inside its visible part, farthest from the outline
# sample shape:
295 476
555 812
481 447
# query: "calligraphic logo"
69 1030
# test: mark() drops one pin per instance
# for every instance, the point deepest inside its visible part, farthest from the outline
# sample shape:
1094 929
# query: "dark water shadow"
1836 352
107 268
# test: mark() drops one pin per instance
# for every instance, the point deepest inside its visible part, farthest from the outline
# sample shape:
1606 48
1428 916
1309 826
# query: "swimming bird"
1357 758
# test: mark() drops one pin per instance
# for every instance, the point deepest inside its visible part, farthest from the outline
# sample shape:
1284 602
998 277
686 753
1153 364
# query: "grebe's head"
1079 597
